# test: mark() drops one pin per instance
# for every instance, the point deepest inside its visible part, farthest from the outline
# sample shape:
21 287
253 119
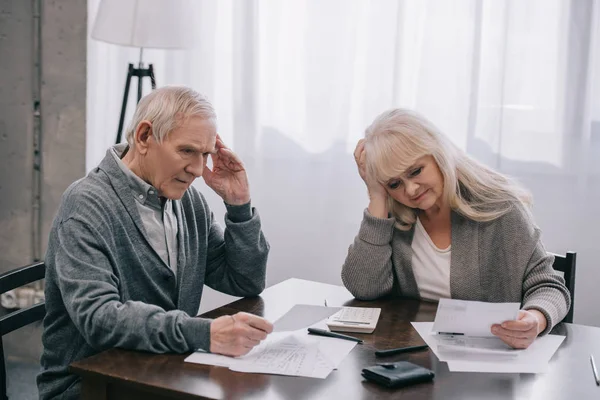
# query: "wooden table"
121 374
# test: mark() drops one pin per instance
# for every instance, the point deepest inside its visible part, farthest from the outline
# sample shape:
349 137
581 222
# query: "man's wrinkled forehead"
198 132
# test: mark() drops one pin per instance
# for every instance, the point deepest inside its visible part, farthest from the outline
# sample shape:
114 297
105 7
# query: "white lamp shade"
162 24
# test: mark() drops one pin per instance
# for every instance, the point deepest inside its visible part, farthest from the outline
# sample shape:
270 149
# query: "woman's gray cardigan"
502 260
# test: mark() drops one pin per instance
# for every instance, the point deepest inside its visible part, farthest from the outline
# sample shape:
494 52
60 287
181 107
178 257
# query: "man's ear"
142 136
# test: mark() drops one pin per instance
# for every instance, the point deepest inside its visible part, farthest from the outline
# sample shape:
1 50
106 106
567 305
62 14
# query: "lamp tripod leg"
139 91
124 105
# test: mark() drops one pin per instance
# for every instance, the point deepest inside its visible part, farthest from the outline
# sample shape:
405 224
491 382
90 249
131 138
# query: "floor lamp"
157 24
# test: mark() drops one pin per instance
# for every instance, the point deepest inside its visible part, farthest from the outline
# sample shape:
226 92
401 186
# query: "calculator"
354 319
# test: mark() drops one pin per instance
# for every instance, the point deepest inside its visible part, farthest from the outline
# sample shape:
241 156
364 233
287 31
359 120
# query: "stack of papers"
289 350
461 337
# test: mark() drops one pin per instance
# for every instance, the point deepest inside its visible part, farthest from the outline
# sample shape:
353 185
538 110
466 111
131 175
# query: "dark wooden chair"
20 318
566 264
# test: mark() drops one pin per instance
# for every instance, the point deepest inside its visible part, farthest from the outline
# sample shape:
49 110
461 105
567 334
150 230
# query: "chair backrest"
18 319
566 264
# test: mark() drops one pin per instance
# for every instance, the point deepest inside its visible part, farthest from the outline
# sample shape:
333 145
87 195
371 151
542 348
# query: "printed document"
488 354
472 318
285 353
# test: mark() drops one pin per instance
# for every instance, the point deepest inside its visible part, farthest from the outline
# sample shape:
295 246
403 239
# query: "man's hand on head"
228 176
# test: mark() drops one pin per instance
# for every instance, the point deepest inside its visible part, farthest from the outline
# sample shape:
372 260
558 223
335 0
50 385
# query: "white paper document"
302 316
488 354
288 356
485 347
285 353
472 318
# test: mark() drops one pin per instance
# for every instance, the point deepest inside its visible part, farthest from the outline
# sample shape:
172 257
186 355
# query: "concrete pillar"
42 129
16 132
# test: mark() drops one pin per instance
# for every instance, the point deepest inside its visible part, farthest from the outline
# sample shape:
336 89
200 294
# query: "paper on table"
531 360
285 353
472 318
498 368
450 345
334 350
290 356
302 316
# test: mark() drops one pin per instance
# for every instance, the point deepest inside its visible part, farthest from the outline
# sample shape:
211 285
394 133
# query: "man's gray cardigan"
502 260
106 286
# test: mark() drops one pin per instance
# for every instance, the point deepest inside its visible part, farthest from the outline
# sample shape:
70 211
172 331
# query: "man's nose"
197 166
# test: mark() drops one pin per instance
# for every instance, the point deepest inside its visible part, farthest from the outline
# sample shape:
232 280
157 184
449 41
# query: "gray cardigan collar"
464 261
120 184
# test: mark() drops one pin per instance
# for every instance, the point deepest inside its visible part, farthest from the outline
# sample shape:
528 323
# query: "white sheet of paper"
472 318
334 350
302 316
288 356
458 346
295 355
534 359
285 353
494 367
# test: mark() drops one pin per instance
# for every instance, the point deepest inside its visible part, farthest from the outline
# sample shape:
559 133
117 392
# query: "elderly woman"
441 225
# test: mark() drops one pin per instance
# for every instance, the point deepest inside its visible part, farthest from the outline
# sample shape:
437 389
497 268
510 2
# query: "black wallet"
398 374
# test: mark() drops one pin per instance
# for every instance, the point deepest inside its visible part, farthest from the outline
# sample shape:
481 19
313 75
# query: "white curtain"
296 82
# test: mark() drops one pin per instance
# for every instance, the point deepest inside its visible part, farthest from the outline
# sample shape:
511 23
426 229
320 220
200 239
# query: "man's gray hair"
166 107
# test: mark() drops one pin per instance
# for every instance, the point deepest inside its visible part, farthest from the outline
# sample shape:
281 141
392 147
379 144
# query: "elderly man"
133 244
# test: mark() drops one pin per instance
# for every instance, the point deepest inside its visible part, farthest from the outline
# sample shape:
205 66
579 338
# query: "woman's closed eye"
416 172
394 184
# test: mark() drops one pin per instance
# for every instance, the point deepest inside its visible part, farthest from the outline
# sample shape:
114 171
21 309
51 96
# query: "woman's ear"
142 136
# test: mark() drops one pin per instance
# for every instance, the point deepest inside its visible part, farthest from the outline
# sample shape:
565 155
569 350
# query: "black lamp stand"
140 72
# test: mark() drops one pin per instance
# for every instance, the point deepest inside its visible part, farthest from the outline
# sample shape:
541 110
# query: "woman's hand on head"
375 188
521 332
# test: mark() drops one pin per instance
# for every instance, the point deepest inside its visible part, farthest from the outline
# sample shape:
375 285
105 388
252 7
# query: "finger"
500 331
207 174
522 325
254 333
215 158
522 314
250 343
220 145
241 351
230 155
257 322
516 343
359 148
362 157
362 166
231 160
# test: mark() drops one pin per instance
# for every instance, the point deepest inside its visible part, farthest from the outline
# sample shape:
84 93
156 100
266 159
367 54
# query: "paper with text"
472 318
290 356
285 353
483 354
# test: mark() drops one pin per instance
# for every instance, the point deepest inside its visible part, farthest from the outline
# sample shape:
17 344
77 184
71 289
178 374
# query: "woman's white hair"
398 137
167 107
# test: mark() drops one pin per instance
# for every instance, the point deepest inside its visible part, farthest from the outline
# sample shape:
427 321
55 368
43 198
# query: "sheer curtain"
296 82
